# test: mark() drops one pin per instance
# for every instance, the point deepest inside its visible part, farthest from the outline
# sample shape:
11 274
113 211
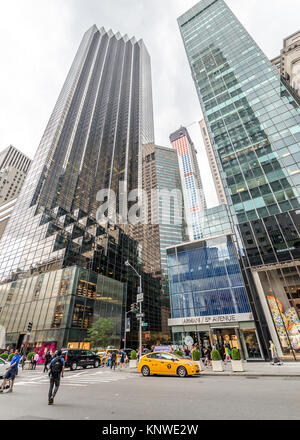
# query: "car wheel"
84 366
73 366
181 372
96 364
145 371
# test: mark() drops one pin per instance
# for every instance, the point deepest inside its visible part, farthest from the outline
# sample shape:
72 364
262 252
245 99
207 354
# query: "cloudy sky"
38 41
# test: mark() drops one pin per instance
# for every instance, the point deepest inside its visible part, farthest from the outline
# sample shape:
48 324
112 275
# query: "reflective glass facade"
253 119
93 141
62 305
205 279
191 182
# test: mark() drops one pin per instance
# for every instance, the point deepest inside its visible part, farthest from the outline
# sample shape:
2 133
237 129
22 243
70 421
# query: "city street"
104 394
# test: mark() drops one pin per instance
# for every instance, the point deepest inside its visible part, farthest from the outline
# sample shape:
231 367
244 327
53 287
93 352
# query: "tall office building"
191 181
288 62
164 225
213 164
14 166
93 141
253 120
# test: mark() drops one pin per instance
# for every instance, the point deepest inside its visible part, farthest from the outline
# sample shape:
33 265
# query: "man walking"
48 358
57 367
113 360
11 372
35 361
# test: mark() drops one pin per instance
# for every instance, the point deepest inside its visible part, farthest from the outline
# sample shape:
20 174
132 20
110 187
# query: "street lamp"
140 316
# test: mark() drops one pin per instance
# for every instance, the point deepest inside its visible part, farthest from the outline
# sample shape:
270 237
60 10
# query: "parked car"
75 358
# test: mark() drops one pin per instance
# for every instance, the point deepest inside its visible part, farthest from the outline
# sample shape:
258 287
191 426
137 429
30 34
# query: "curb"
245 374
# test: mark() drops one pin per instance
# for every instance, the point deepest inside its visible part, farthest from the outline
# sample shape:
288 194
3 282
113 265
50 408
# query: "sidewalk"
288 369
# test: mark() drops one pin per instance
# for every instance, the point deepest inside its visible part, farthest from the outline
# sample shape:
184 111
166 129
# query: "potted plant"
197 358
236 362
132 362
216 359
178 353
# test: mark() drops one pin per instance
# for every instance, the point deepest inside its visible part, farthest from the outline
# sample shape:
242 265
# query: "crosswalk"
80 379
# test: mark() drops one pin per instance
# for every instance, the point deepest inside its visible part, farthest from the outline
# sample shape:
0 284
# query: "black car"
75 358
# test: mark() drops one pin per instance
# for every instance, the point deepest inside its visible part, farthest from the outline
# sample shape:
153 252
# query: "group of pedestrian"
116 358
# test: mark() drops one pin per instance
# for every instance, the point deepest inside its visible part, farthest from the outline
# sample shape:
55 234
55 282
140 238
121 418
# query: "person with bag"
57 367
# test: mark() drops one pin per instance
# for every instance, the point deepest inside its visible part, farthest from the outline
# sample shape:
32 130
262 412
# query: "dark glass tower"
93 141
253 118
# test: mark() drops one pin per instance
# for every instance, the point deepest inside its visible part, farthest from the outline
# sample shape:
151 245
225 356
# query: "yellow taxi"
167 363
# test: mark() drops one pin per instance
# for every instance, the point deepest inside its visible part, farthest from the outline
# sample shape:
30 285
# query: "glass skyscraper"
93 141
191 182
253 119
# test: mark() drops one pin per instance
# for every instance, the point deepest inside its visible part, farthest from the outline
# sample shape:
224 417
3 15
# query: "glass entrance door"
226 337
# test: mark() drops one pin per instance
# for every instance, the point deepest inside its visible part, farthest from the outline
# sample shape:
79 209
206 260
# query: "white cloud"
38 41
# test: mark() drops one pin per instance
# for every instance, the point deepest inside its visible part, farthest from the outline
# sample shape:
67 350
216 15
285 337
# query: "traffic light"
133 308
29 327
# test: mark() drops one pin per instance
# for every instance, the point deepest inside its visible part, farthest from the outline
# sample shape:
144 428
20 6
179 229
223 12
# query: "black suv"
75 358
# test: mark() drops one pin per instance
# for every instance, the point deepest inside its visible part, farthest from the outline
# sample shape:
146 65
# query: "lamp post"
140 308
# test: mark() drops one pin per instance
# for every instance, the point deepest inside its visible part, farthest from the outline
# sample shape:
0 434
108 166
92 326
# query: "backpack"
56 367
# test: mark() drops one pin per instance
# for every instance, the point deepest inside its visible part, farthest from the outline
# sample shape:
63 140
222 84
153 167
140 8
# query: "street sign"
145 324
139 289
140 315
140 297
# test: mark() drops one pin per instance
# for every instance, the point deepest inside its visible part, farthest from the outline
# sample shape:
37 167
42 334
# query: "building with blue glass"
209 299
253 120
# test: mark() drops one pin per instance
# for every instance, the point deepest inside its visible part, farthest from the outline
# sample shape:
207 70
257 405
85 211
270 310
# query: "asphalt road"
102 394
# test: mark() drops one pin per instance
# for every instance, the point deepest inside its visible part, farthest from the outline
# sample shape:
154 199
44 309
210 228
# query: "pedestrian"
108 359
23 360
274 354
207 355
36 357
113 360
122 359
48 359
11 372
227 353
57 368
186 352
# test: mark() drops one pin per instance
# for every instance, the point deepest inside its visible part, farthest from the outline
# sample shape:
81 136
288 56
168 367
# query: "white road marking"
81 379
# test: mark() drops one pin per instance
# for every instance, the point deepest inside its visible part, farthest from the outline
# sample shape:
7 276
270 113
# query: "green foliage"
178 353
29 356
196 355
4 356
133 355
10 356
215 355
101 333
235 354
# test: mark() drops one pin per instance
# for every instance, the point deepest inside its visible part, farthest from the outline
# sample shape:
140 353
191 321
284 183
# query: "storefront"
279 290
209 300
239 333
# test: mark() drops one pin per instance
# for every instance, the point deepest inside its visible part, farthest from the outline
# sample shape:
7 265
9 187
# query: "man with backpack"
57 367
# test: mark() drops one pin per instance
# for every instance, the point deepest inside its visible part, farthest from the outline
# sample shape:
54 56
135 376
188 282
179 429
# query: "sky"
39 39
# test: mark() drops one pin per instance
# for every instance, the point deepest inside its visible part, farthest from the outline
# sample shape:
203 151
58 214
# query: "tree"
101 332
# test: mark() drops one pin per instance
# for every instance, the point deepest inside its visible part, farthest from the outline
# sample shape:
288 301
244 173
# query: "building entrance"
226 337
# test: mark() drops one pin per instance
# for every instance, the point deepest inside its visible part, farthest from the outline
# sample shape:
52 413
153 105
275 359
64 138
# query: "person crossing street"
57 367
11 372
